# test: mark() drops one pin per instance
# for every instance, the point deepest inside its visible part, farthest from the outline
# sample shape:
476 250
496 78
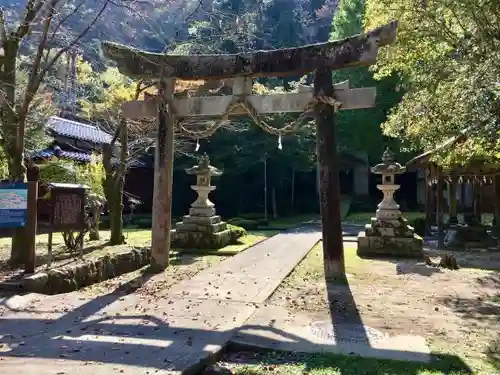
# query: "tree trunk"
114 184
453 200
326 148
94 226
275 206
265 187
496 227
116 217
478 213
292 198
116 221
439 210
11 124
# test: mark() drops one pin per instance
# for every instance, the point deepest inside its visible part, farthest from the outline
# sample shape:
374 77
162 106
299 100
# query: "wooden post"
453 200
428 198
30 228
163 176
329 191
439 209
265 187
496 187
49 250
477 188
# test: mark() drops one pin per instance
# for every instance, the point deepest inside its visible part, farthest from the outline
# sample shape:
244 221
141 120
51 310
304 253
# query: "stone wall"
68 279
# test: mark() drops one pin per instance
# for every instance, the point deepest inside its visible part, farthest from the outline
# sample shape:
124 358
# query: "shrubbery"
236 233
245 223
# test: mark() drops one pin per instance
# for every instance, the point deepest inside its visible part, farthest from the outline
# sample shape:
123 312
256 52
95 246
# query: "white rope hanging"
248 108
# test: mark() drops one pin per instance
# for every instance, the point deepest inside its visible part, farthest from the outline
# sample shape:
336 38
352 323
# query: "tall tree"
106 92
448 53
348 21
41 27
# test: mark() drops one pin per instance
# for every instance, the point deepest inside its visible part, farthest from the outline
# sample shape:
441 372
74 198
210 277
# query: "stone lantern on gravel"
388 233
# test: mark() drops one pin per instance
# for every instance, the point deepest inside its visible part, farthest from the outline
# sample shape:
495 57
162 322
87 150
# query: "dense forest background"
249 157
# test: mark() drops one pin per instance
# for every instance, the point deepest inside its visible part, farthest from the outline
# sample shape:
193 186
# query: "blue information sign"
13 205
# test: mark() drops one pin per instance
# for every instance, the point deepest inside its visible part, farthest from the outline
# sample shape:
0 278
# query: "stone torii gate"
324 99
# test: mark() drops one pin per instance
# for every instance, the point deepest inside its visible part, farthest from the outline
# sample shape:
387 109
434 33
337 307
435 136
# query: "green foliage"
231 27
105 92
92 175
348 19
236 233
41 107
61 171
359 130
244 223
448 53
4 170
64 171
145 223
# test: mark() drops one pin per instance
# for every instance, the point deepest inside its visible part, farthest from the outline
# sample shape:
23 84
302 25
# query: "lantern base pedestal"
390 238
202 232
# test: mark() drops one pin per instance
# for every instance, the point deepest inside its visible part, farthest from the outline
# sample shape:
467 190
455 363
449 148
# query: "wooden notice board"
68 208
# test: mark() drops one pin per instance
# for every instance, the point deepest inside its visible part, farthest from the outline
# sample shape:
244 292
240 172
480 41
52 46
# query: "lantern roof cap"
203 167
388 165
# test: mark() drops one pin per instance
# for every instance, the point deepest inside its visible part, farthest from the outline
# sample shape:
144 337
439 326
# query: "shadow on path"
141 336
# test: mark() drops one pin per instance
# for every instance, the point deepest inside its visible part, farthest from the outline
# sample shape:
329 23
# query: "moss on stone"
207 240
106 267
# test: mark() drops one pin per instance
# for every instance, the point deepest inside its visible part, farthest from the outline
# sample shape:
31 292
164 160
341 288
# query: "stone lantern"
203 172
388 209
202 228
388 233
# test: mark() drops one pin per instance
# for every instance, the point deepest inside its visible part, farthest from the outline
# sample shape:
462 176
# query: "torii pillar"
322 59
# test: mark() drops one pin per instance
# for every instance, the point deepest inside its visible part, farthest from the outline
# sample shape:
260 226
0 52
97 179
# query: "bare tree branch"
70 45
3 30
63 20
198 6
32 11
30 87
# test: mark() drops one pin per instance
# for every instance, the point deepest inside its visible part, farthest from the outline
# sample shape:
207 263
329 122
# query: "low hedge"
252 216
236 233
419 224
244 223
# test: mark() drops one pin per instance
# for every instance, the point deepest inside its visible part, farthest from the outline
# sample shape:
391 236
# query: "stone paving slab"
133 334
276 328
126 339
253 275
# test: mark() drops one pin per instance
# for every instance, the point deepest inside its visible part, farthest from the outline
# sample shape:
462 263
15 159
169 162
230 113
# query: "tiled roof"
77 156
78 130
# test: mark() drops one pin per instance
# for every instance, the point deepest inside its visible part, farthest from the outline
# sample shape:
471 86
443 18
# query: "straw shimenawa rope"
249 109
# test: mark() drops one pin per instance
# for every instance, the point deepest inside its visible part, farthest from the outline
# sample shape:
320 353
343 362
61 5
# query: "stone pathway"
72 334
276 328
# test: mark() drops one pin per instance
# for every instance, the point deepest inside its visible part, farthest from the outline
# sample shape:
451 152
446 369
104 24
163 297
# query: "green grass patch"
331 364
365 217
252 238
292 221
311 270
133 238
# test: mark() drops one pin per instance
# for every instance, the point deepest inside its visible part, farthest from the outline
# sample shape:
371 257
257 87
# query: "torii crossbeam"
359 50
